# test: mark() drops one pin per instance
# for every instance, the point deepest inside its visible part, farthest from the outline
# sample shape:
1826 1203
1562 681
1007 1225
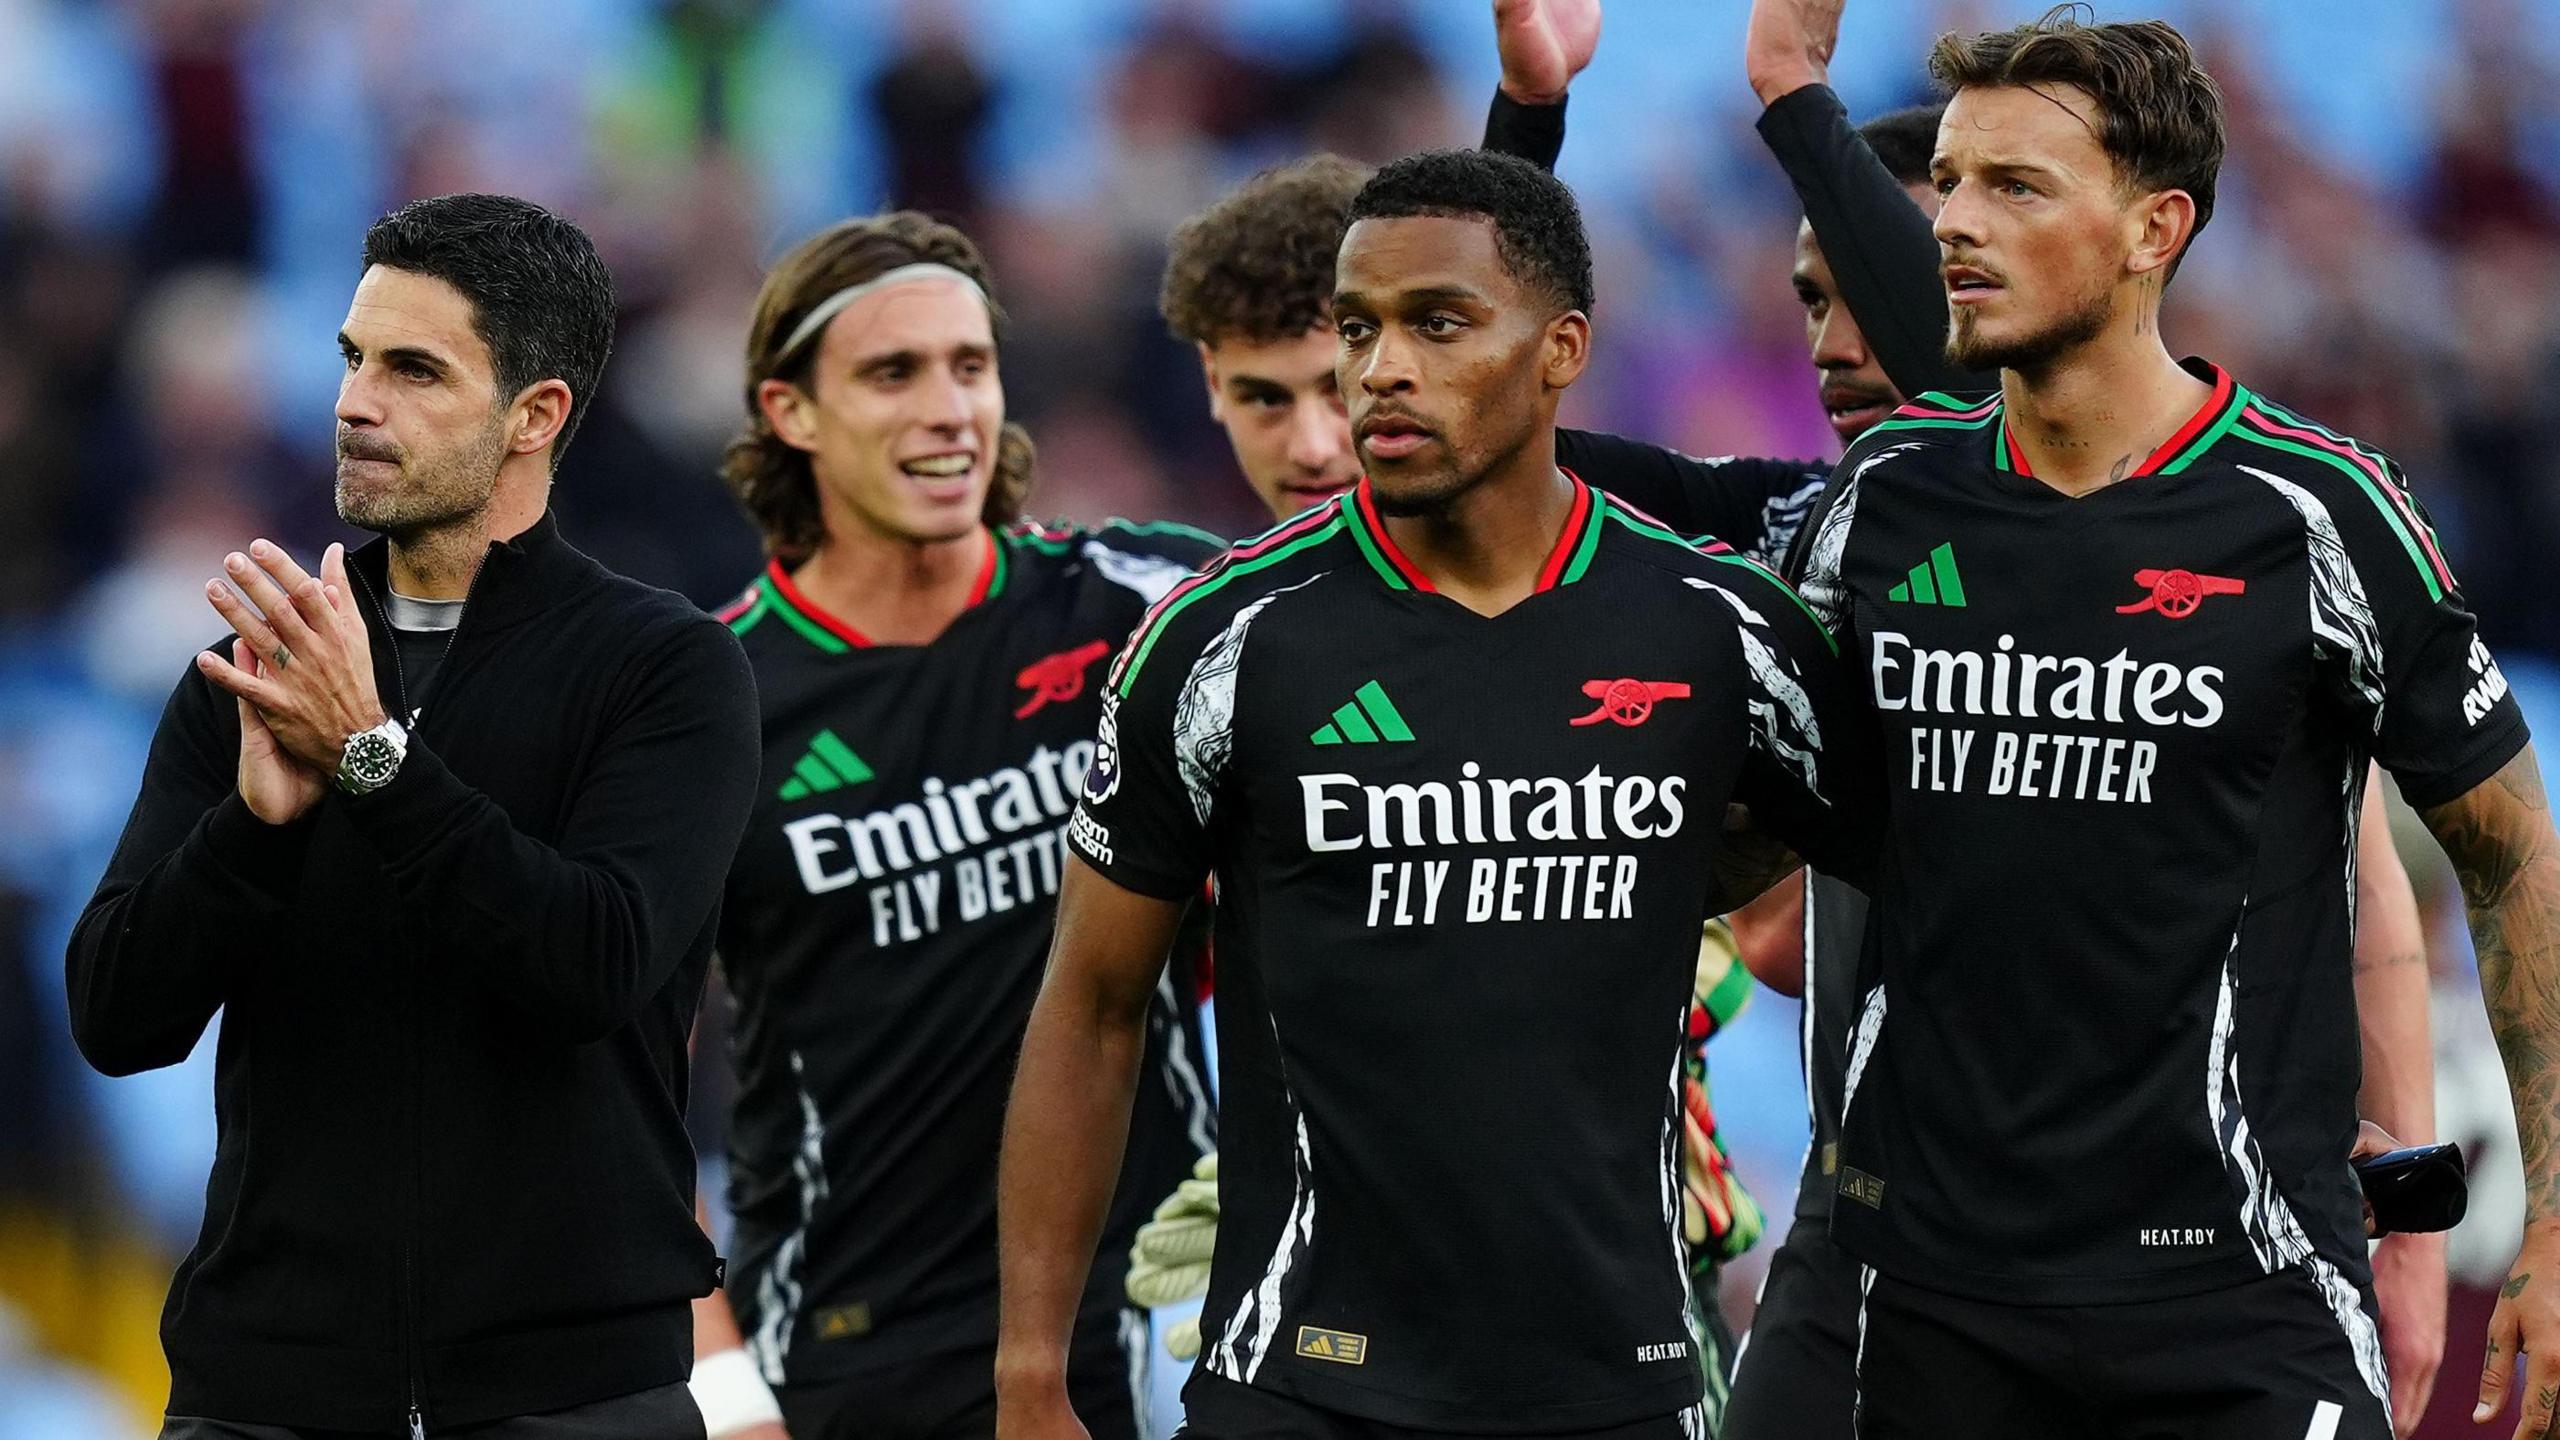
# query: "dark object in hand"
2416 1190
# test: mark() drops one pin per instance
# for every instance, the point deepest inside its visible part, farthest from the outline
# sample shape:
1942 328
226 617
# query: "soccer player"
2134 632
1800 1377
930 675
1458 808
1248 283
440 831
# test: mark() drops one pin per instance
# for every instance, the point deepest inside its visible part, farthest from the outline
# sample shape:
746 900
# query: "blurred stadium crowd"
183 184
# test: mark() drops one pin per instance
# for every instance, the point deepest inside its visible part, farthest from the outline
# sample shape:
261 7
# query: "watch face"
370 758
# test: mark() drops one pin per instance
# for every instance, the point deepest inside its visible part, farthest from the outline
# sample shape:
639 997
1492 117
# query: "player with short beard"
1459 614
1800 1375
2073 990
928 668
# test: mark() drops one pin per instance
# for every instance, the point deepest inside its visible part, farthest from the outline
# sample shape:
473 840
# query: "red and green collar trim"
2219 412
1564 565
835 635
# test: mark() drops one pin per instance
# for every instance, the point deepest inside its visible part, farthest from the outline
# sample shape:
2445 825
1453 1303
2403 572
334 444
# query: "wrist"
1024 1379
1773 86
368 759
1519 94
731 1393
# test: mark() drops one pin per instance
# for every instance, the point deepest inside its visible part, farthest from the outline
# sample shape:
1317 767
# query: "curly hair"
1537 227
770 477
1258 265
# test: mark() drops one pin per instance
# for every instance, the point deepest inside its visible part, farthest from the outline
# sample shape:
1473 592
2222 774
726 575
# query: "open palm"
1544 44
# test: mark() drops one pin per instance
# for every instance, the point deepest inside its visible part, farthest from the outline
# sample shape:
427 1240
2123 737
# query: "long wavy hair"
770 477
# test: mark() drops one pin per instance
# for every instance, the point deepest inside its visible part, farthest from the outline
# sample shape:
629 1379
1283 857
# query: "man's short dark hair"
1537 228
1904 140
541 298
1258 265
2159 113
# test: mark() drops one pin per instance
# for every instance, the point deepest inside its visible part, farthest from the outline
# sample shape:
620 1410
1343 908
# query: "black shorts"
1796 1377
665 1413
1217 1408
953 1396
2272 1359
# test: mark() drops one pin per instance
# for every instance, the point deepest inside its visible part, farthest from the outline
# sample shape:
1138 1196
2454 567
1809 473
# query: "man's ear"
1209 374
2167 221
1568 348
538 416
786 409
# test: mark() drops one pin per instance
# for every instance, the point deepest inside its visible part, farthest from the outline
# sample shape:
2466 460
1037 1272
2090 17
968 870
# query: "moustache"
354 446
1851 394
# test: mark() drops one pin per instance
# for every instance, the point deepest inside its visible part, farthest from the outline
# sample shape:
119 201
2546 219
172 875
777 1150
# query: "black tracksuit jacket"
452 1181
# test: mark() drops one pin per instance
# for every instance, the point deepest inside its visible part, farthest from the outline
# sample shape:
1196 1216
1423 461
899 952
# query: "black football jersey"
2112 1051
1754 504
884 930
1461 864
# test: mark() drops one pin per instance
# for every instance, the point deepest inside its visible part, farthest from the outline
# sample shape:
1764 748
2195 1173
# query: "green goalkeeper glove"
1170 1261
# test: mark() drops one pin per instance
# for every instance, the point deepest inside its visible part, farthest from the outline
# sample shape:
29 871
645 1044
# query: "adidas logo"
829 765
1366 719
1340 1346
1933 581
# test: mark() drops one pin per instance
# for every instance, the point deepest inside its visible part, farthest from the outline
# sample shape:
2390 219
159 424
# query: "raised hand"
278 788
1544 44
313 686
1788 45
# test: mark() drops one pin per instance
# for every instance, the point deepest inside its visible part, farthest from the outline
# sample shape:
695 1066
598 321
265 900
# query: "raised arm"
2500 840
1544 44
1064 1131
1880 245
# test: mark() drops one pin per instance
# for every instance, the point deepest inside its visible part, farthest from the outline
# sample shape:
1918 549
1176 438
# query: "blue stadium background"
183 184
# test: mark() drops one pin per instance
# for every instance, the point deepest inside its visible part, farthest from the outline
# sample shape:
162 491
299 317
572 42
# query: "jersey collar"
836 635
2221 409
1564 564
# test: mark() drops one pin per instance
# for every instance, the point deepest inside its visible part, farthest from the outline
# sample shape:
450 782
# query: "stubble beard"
430 495
1967 349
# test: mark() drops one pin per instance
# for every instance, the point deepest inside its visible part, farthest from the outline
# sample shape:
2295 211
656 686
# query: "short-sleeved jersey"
884 930
2113 1051
1462 863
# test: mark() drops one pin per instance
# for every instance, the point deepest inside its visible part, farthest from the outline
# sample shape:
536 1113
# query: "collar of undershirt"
407 612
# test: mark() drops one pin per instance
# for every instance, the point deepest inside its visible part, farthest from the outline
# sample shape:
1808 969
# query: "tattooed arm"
2500 839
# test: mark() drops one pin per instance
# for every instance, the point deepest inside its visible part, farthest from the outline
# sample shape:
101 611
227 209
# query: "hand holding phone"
2414 1190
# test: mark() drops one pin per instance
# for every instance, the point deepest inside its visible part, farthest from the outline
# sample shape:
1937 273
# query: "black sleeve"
1882 249
1534 133
2446 721
1808 775
1751 504
188 898
580 935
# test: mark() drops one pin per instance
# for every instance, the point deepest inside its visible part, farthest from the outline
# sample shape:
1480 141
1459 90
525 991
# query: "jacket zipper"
409 1347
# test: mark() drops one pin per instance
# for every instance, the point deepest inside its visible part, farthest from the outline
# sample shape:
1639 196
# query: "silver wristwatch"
372 757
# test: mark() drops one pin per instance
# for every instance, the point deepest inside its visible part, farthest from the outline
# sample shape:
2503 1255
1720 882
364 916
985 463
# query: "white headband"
834 305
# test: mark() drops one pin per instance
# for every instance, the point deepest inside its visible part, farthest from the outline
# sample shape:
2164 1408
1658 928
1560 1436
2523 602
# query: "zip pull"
417 1424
